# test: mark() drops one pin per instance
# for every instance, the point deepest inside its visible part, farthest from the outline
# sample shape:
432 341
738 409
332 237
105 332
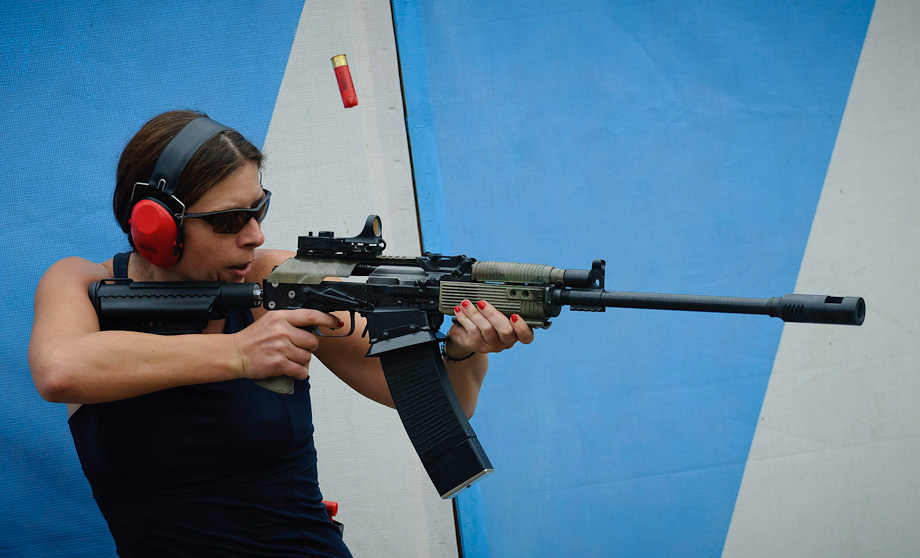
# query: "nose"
251 234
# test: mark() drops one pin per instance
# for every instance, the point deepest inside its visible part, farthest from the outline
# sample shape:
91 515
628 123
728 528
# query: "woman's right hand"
278 344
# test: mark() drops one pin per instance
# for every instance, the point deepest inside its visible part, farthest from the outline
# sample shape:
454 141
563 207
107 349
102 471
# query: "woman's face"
210 256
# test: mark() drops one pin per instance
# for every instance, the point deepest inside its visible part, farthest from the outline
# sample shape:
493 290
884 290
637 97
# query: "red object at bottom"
332 508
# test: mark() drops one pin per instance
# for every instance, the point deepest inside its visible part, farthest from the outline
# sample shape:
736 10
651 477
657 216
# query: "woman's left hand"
480 328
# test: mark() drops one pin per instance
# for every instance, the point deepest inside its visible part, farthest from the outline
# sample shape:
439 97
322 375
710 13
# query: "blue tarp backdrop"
77 79
684 142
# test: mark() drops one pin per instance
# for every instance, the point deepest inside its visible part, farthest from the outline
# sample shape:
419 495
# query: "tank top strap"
120 265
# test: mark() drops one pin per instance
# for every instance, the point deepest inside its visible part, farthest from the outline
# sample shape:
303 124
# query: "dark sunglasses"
232 221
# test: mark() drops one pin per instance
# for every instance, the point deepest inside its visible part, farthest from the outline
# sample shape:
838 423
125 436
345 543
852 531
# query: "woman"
185 455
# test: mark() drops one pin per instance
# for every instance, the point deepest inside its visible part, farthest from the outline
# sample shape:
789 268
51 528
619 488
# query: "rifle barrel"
818 309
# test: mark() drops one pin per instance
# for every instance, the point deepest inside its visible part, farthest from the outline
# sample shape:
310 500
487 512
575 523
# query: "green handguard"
527 302
526 295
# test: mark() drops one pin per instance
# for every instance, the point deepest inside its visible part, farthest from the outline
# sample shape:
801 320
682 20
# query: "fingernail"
466 303
481 304
340 323
514 318
457 309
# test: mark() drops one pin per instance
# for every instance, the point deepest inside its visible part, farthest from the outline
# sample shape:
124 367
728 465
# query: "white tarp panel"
329 168
832 469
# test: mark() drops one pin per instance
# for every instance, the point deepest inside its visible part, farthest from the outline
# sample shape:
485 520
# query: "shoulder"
68 280
77 270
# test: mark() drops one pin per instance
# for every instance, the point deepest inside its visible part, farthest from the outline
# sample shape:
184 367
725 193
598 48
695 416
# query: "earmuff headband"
179 152
170 166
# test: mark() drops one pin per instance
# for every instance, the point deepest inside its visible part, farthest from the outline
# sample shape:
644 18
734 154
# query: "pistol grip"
285 384
278 384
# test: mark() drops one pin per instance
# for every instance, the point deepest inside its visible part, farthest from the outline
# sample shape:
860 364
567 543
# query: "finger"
298 355
303 317
461 317
344 319
302 360
471 311
294 370
500 324
303 339
482 326
523 331
468 330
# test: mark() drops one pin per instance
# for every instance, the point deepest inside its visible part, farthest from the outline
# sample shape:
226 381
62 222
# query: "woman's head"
218 158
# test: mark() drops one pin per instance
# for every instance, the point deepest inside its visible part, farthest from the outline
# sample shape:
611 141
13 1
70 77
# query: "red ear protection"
155 232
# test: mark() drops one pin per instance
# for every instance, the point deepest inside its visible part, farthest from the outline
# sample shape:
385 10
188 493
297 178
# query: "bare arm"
73 361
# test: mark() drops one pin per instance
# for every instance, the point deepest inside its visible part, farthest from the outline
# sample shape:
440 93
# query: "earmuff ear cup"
155 233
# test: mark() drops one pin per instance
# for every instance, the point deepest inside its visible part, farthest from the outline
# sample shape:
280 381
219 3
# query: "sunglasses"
232 221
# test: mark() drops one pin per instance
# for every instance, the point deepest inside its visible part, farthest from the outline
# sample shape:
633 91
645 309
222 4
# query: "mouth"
241 270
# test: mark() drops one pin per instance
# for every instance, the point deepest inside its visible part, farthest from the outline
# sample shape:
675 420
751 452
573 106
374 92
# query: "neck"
140 269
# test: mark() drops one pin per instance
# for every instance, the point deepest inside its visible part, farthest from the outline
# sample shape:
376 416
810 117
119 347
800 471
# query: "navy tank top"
220 469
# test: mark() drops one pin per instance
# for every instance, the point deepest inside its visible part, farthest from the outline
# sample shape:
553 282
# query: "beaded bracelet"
449 358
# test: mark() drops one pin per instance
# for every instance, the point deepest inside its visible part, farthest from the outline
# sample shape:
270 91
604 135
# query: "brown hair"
218 158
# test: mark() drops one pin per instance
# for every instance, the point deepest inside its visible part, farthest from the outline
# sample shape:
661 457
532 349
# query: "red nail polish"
514 318
340 324
481 304
466 303
457 309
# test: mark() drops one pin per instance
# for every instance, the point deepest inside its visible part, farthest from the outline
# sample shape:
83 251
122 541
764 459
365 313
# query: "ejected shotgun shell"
343 75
